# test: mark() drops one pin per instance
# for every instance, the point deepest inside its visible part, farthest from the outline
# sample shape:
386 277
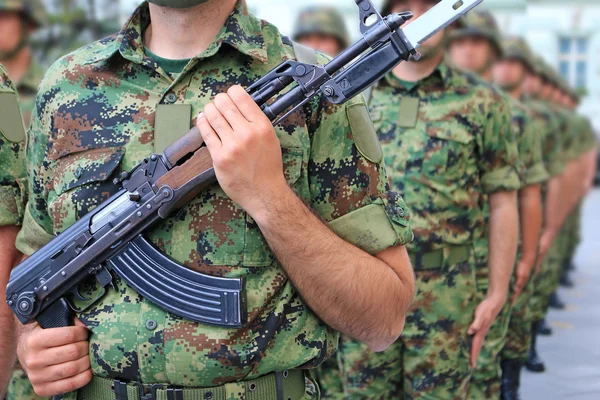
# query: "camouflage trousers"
486 379
518 338
431 359
19 387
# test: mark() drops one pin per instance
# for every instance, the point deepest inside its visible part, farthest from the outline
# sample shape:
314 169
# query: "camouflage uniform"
322 20
34 15
447 142
96 116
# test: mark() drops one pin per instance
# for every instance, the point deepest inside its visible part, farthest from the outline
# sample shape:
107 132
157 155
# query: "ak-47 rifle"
110 239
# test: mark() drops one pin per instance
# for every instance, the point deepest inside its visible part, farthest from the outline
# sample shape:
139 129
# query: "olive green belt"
439 258
285 385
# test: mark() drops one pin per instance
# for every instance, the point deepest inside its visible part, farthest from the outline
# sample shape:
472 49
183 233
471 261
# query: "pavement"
572 353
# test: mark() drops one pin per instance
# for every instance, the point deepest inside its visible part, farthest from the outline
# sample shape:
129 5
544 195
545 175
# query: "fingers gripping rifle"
110 239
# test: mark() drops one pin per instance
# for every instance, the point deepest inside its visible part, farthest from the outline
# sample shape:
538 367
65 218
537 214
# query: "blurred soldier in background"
475 45
18 20
323 29
510 73
448 143
12 189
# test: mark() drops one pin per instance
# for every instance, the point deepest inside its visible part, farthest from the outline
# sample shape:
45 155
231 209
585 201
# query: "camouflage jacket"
12 157
27 88
447 142
95 116
529 142
548 127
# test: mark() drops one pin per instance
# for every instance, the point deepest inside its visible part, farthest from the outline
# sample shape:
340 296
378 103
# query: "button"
78 172
402 213
151 324
171 97
208 396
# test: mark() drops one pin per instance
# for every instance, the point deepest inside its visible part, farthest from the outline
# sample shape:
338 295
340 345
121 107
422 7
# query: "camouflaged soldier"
323 29
447 141
540 90
510 74
475 45
20 18
107 106
12 189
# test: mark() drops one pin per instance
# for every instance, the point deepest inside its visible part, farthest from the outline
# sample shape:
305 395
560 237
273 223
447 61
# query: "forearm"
503 239
8 258
571 190
589 170
552 206
530 215
352 291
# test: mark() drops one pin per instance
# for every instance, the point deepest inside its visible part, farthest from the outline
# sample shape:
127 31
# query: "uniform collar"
32 78
442 72
242 31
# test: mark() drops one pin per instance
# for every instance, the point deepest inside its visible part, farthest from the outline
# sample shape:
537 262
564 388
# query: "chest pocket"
447 149
81 182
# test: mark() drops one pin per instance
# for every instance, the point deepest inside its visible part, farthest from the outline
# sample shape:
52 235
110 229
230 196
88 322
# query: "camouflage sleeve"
535 171
348 183
572 138
552 148
12 157
498 154
589 140
37 225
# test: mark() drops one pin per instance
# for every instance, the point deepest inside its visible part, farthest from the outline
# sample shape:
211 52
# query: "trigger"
75 292
104 278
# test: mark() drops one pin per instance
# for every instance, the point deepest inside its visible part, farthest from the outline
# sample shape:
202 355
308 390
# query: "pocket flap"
85 167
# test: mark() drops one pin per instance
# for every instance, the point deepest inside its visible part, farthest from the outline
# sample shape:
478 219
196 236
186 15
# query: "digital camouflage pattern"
485 382
95 117
479 23
443 155
12 169
27 88
323 20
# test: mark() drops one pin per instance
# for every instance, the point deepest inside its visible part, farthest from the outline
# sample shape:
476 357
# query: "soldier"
107 106
12 188
510 74
323 29
18 20
447 140
475 45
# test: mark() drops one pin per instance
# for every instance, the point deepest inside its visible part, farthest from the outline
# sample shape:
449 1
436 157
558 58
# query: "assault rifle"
110 239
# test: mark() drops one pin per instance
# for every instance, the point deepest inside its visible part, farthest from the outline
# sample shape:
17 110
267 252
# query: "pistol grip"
57 315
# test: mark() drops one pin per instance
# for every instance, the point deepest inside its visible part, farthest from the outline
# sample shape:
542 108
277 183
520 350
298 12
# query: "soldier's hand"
56 360
522 273
485 314
545 243
245 149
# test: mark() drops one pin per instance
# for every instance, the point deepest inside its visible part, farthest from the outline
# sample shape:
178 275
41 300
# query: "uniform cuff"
32 236
11 208
501 180
375 227
536 174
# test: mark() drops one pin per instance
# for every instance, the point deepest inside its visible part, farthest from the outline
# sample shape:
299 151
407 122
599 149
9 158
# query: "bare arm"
572 188
360 295
503 238
551 224
589 170
530 214
8 258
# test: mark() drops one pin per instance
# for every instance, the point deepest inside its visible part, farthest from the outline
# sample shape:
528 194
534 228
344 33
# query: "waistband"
284 385
447 256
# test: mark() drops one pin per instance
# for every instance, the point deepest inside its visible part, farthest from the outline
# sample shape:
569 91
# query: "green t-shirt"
170 66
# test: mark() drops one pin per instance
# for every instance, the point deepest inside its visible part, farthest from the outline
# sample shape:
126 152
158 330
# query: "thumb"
475 326
81 324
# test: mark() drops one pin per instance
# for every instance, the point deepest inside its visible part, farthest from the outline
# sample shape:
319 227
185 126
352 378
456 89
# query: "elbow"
385 340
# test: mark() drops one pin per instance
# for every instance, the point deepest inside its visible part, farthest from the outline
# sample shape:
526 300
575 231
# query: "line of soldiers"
470 160
486 94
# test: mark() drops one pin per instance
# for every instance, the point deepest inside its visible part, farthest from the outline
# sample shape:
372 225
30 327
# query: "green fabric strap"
263 388
170 66
437 259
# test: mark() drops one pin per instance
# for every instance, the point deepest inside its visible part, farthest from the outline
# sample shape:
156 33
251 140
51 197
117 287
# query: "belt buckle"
151 395
174 393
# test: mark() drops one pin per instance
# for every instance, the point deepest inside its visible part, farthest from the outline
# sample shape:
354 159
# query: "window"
573 59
